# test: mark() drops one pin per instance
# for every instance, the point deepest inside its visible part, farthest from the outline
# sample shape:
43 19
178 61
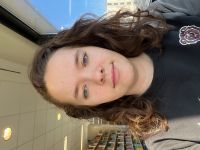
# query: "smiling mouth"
113 75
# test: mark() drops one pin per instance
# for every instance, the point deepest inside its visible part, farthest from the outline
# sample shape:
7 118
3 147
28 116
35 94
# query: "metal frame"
12 22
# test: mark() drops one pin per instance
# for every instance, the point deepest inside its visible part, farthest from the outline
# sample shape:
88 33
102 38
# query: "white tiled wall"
33 120
12 122
39 143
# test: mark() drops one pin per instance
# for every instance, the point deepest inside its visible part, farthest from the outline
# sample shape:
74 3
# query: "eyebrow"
76 56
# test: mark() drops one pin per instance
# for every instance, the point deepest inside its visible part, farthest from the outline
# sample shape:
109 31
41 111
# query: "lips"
115 75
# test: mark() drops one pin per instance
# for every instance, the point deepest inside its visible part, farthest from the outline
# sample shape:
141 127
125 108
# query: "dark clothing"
176 86
173 8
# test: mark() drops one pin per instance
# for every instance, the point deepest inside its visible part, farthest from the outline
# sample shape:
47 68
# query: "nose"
96 75
100 75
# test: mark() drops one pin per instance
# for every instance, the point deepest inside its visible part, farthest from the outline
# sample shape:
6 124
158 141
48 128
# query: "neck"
143 70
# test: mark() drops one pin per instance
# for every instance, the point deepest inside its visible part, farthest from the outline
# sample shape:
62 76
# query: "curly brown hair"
127 33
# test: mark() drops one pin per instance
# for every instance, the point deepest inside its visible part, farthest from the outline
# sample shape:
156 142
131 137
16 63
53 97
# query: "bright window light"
65 143
59 116
82 137
7 133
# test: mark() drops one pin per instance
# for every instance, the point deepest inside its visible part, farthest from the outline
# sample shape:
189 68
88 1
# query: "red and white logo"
189 35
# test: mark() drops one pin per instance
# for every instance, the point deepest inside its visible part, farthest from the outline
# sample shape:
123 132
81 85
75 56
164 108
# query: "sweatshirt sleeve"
169 144
173 8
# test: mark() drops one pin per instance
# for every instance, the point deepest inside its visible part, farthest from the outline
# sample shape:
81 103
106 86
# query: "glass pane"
50 16
62 14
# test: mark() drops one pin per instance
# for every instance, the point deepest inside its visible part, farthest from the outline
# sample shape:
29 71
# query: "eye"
85 59
85 92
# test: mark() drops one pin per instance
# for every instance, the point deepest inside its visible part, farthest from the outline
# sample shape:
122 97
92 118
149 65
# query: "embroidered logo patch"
189 35
198 98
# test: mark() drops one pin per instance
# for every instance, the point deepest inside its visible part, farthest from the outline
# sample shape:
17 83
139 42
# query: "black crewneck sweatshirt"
176 86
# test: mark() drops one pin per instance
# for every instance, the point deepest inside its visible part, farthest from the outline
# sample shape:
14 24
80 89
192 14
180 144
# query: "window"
51 17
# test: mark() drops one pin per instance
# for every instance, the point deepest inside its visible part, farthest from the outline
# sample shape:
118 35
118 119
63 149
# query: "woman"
140 71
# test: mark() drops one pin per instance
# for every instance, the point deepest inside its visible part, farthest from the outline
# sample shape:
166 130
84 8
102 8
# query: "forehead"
60 74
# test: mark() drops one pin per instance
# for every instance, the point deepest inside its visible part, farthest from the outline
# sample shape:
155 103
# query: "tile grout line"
10 115
34 130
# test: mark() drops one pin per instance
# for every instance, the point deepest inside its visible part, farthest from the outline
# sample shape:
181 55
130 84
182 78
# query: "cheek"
101 92
102 95
100 58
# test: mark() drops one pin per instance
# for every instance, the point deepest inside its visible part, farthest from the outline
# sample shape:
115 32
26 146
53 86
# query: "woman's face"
88 75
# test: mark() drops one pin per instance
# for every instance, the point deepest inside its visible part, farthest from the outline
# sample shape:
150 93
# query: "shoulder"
170 8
